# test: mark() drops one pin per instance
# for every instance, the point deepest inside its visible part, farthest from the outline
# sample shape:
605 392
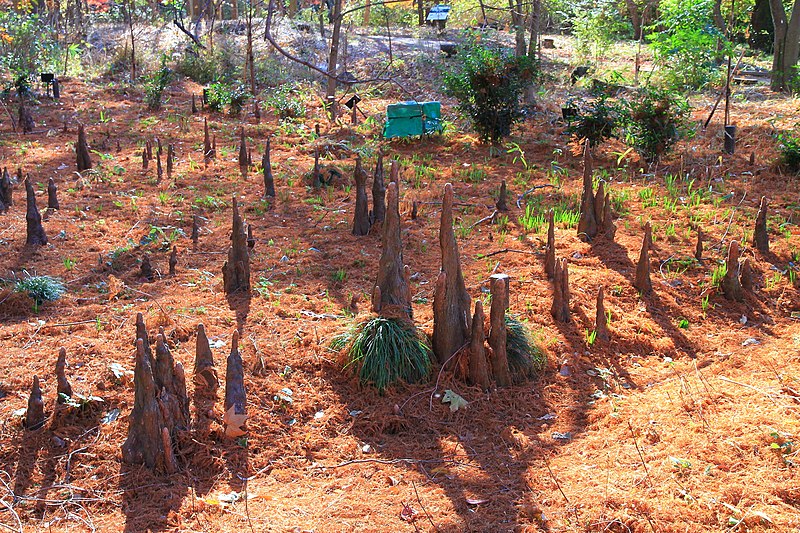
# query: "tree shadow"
239 302
150 501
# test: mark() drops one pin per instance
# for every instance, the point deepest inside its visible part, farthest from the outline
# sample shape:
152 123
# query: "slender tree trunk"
518 20
421 12
367 12
333 59
636 18
129 8
533 44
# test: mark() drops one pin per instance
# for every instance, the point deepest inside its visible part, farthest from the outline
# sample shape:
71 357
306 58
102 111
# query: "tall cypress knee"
478 364
760 236
266 165
378 192
642 281
236 270
235 394
361 214
587 224
35 235
84 162
497 334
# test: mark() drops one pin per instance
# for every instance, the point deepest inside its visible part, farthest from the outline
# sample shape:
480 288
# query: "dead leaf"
234 422
476 501
456 401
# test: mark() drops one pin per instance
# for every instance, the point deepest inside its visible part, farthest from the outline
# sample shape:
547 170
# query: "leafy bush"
220 94
487 84
596 122
684 40
207 67
154 85
287 102
40 289
27 45
382 351
596 27
789 148
657 119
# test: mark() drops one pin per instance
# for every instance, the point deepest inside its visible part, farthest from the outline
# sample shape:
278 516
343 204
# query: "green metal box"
412 118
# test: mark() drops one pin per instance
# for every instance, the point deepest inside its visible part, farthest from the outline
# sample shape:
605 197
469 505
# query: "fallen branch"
484 219
504 251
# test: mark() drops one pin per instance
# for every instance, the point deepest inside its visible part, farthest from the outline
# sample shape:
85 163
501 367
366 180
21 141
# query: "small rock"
743 320
751 341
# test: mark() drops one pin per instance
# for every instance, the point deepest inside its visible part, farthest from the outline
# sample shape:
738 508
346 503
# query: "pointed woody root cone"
550 250
52 194
64 388
642 281
760 236
84 162
451 301
34 416
601 320
392 294
478 363
205 373
560 307
497 335
35 232
266 165
235 395
236 270
145 443
361 214
378 192
731 286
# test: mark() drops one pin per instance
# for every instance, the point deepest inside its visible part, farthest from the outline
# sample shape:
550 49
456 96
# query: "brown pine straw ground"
667 429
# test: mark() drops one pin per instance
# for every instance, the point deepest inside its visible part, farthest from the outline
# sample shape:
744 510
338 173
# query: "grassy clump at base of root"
382 351
526 357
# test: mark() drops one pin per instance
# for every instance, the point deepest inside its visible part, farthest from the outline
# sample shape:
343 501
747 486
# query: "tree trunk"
636 18
762 30
518 21
533 43
786 44
333 59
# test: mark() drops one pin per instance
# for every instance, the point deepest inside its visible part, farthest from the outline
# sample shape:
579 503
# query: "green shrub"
596 27
28 45
154 85
238 97
382 351
789 148
287 102
40 289
596 122
206 67
220 94
685 42
657 119
487 83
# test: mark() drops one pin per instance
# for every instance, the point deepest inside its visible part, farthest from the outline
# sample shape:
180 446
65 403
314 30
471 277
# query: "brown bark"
173 260
149 147
195 230
145 159
642 281
560 307
361 214
6 189
205 372
266 165
145 443
378 192
698 248
34 415
587 224
194 105
478 364
601 321
84 162
208 150
451 301
499 286
235 394
760 236
550 249
242 152
64 389
316 177
786 43
159 168
746 275
600 204
391 296
146 269
171 382
35 235
170 159
236 270
52 194
26 122
609 229
502 198
141 333
731 286
251 241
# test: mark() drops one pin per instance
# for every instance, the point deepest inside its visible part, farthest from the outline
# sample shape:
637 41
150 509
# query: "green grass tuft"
41 288
525 357
382 351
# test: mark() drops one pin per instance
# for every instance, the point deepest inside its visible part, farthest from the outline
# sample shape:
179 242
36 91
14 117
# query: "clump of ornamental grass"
526 358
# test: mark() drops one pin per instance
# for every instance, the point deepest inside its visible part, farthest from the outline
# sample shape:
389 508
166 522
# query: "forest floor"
687 420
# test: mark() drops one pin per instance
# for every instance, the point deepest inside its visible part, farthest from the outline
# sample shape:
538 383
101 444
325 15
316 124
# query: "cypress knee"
236 270
731 286
235 395
205 372
243 157
560 307
35 235
64 389
361 215
84 162
587 224
478 364
502 198
173 260
34 415
266 165
499 286
760 236
391 295
642 281
550 249
378 192
601 320
52 194
451 301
